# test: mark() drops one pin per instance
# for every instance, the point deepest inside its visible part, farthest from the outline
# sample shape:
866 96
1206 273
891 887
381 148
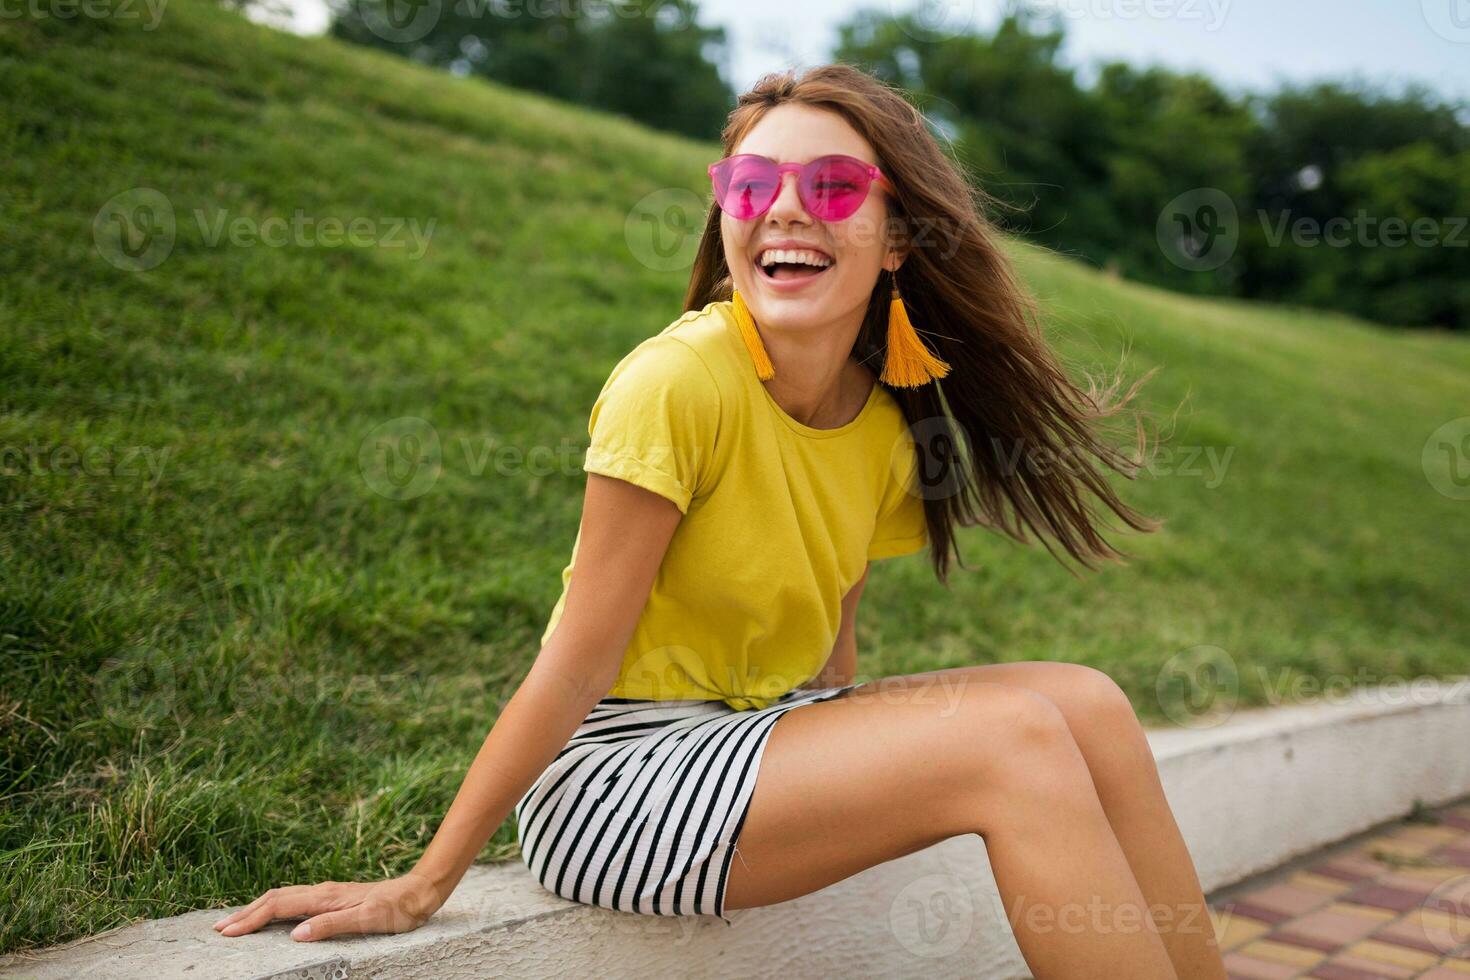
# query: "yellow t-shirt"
780 519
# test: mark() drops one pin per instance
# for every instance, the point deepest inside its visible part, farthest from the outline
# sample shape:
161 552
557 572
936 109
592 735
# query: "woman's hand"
341 908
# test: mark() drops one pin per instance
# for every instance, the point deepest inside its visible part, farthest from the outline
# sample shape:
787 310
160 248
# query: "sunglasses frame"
874 175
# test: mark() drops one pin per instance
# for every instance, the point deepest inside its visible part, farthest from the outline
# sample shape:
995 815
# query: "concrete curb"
1255 790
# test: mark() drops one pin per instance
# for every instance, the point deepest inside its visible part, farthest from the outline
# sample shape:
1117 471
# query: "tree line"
1339 195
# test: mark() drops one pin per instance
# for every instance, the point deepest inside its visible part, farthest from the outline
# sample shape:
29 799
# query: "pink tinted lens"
834 187
831 188
746 186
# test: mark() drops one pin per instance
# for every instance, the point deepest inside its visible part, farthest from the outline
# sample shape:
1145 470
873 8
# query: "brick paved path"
1395 904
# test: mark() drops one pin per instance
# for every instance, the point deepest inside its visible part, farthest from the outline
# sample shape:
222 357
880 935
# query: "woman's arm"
841 666
625 532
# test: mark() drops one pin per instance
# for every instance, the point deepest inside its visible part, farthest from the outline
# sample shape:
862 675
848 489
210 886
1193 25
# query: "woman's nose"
788 201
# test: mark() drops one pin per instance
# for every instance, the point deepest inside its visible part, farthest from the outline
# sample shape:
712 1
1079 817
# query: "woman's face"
807 298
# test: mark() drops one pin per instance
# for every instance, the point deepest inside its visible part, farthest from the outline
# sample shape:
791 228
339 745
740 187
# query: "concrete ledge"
1261 787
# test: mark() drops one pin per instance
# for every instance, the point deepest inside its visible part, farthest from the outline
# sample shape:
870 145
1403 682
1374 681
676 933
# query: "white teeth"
798 256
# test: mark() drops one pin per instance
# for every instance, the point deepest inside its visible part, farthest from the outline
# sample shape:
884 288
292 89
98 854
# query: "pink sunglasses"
832 188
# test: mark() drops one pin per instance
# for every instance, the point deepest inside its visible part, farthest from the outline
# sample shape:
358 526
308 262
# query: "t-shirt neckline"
732 329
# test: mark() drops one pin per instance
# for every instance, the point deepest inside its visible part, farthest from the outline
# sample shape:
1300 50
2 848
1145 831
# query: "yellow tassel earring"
908 363
763 367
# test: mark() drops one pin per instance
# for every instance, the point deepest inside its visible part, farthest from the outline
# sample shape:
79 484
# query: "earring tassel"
908 363
763 367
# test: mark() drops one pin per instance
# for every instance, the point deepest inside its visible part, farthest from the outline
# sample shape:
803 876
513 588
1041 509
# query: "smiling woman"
694 700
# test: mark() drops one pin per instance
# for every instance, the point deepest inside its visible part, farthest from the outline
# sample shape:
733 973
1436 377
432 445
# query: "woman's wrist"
443 880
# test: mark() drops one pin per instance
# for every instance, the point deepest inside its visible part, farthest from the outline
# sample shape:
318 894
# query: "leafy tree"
649 61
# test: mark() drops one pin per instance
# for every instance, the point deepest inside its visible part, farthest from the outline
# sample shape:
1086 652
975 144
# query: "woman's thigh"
889 768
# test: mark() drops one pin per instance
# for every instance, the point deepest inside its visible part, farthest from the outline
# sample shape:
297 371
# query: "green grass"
252 669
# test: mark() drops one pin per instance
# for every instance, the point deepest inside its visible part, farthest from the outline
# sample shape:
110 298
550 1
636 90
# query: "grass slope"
248 668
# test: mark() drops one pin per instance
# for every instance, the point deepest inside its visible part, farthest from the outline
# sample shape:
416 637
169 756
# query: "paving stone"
1430 931
1380 896
1298 956
1234 930
1459 856
1352 866
1349 967
1335 926
1321 883
1340 971
1288 899
1252 911
1393 954
1241 967
1426 832
1449 971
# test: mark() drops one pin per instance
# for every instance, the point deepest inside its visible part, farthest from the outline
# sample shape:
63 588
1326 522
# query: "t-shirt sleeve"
901 527
655 421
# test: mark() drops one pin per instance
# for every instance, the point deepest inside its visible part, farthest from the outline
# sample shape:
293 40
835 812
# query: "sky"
1243 44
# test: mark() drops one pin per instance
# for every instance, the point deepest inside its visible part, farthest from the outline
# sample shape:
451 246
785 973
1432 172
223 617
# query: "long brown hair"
1007 392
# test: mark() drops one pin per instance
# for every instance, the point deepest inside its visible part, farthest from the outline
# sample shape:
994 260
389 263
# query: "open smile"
792 267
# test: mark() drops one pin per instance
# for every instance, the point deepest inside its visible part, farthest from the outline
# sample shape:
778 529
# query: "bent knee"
1010 726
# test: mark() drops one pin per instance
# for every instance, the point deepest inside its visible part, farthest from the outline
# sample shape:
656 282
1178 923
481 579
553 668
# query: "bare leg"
1127 782
881 772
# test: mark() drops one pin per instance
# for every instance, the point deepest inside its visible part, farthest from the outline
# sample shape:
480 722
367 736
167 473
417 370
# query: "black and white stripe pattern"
640 811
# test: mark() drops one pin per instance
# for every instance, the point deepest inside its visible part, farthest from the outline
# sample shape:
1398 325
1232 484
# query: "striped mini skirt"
641 809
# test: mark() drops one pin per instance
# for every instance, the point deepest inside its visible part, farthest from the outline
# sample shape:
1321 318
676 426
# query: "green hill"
242 648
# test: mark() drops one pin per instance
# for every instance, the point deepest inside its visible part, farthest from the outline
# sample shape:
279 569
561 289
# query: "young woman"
745 467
